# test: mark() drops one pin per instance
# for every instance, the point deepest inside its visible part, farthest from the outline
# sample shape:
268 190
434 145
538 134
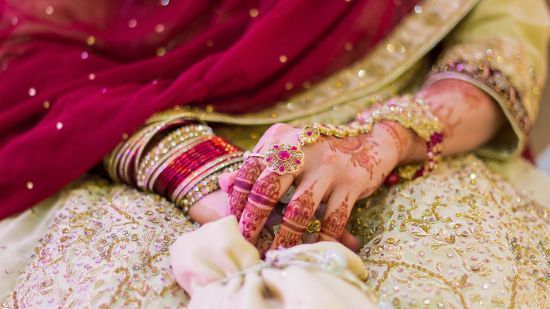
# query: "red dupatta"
75 76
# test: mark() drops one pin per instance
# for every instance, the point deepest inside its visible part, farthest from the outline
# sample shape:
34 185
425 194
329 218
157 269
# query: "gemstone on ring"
284 159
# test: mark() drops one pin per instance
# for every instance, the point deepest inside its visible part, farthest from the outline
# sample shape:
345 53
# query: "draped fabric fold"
77 76
218 268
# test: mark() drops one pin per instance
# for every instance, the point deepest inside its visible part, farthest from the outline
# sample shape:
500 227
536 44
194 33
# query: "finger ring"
314 226
284 159
248 154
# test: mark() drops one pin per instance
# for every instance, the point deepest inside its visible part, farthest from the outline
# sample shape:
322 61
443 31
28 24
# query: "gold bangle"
206 186
211 167
152 173
171 141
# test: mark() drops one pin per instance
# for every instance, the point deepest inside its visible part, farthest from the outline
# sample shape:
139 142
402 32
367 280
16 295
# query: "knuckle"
329 157
278 128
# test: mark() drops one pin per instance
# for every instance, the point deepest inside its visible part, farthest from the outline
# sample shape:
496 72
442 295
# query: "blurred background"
540 136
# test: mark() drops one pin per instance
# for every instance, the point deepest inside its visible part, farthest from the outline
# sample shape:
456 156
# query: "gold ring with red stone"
284 159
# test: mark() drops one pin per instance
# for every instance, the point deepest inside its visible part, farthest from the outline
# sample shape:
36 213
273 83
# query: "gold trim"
411 40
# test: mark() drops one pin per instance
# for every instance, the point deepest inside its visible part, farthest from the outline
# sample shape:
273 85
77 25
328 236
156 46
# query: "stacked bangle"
183 167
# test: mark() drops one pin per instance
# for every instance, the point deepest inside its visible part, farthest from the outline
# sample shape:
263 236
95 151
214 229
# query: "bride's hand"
216 205
338 171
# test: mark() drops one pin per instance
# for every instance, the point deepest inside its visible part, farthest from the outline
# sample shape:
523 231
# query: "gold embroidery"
107 247
473 241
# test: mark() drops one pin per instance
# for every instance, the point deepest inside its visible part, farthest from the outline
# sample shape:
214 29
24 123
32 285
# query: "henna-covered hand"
336 170
340 171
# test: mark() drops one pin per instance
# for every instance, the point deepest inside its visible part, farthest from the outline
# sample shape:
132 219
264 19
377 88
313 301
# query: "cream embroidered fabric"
461 237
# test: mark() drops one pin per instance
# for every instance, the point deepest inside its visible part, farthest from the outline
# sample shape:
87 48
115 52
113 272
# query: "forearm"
469 116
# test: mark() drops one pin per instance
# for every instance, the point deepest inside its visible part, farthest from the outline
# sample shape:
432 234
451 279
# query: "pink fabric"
216 54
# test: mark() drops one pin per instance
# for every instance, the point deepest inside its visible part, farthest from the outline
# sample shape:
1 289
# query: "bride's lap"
462 237
107 246
459 236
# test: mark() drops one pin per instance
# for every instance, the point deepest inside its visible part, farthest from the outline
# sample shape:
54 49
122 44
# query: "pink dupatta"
75 76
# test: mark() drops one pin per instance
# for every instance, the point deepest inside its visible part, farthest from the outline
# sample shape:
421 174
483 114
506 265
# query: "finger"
227 180
261 201
338 211
350 241
299 213
245 179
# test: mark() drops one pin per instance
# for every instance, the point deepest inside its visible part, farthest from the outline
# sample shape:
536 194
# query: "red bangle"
187 162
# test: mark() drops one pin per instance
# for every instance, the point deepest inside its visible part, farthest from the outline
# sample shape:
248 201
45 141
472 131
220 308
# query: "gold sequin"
49 10
283 59
46 104
253 12
159 28
132 23
161 51
90 40
289 85
30 185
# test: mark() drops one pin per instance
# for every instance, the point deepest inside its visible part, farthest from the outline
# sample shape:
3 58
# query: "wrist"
408 146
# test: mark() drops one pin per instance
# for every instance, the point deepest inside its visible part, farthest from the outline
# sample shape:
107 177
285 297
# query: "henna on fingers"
297 215
333 225
249 172
261 201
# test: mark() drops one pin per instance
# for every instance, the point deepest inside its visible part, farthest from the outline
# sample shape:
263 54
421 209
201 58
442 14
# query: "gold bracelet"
167 144
151 174
410 112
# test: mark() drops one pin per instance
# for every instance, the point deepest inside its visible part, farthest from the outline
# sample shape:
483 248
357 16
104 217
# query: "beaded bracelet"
412 113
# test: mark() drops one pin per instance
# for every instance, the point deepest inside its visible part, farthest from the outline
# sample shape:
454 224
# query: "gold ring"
248 154
284 159
314 226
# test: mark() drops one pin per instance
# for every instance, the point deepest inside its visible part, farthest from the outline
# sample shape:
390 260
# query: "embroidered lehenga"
472 234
